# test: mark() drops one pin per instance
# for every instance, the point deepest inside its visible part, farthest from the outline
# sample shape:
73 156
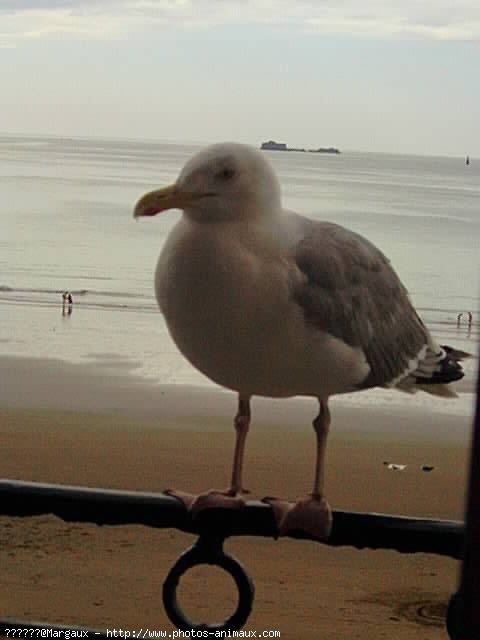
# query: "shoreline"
129 340
114 375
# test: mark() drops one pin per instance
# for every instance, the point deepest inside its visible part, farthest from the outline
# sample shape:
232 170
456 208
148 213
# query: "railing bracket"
208 550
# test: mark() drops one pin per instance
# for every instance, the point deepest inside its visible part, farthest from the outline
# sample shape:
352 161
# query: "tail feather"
446 369
457 354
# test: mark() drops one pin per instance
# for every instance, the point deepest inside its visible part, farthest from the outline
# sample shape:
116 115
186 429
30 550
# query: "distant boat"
467 160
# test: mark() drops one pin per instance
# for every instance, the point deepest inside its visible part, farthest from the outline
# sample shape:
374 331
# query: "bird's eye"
225 174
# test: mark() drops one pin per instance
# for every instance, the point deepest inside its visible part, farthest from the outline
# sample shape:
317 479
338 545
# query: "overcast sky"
366 75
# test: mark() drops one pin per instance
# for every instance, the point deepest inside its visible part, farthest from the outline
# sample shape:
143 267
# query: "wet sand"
80 425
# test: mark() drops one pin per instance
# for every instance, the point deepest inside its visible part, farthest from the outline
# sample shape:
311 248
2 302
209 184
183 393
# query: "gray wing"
349 290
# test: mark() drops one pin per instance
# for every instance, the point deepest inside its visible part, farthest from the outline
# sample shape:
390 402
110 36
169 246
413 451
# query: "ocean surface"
66 224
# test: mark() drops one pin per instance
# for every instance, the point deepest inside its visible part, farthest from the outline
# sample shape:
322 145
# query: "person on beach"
470 318
67 299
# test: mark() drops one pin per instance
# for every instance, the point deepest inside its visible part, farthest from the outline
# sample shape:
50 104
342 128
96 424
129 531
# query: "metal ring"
213 554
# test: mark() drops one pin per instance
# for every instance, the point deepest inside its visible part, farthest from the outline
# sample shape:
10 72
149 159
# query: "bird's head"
224 182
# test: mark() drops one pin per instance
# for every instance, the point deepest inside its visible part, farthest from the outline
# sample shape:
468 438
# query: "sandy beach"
84 425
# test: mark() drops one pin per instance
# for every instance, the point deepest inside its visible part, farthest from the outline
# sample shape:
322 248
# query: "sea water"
66 225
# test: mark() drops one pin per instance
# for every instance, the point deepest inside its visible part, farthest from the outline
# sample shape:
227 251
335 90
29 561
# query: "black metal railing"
213 526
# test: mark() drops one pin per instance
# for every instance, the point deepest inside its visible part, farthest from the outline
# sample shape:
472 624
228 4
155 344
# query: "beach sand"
81 425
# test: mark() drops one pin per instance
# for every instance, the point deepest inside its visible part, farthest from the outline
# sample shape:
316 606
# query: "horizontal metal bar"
112 507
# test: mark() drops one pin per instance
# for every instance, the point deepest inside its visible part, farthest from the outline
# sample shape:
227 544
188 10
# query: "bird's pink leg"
311 514
242 424
321 425
231 498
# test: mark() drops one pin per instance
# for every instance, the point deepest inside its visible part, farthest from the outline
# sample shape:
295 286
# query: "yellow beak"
161 199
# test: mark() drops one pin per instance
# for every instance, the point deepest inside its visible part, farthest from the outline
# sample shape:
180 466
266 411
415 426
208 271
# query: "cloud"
107 19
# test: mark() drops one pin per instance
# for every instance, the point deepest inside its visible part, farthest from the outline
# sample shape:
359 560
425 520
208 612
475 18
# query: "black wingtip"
450 368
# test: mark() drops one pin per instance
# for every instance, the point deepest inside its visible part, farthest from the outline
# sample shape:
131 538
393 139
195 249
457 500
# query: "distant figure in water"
468 314
67 300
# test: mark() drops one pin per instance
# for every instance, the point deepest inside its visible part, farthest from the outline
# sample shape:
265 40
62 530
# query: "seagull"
266 302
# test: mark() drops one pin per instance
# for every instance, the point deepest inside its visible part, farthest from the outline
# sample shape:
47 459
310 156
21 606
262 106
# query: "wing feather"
350 290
